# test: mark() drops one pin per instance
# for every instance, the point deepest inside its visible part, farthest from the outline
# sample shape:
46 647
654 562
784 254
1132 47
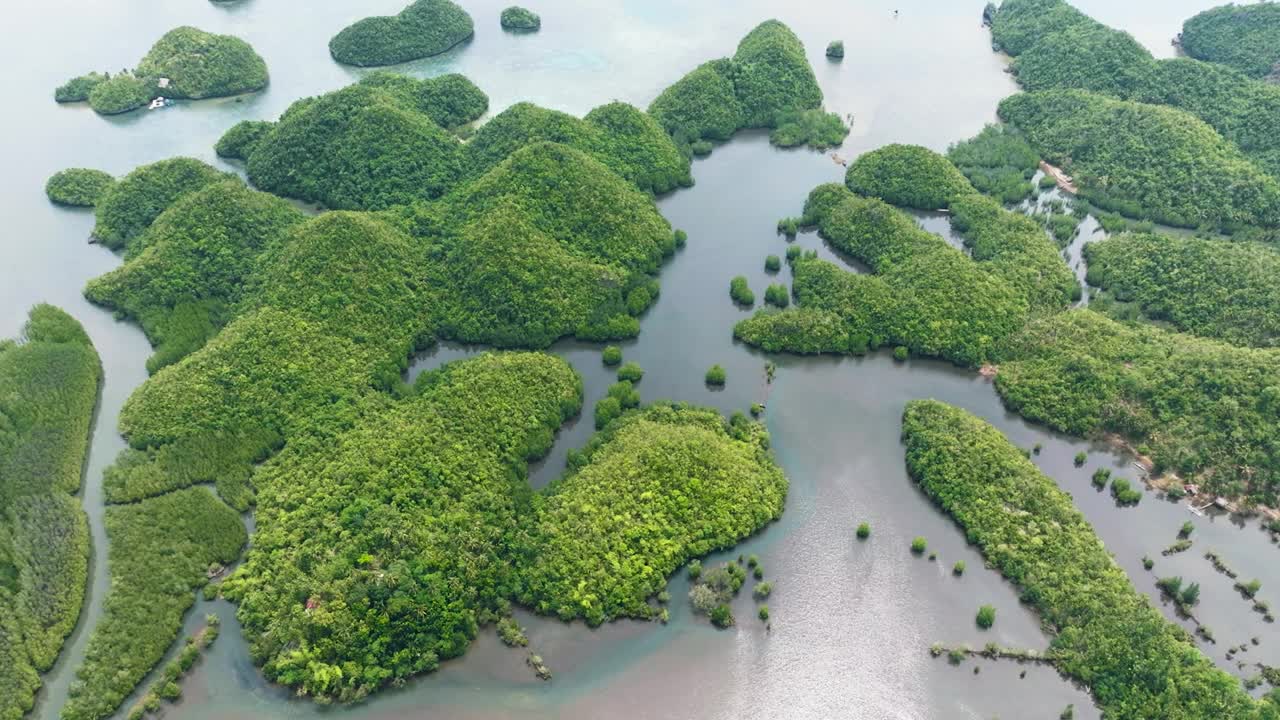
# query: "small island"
518 18
78 187
835 50
187 63
425 28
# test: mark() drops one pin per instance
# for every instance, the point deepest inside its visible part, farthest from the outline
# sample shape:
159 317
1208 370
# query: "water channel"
852 622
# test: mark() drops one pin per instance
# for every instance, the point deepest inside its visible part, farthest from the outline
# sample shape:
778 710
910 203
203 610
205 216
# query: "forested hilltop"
1106 635
1245 37
1058 48
768 83
280 341
48 389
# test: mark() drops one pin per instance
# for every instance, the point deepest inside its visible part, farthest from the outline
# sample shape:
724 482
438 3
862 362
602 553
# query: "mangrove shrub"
1106 634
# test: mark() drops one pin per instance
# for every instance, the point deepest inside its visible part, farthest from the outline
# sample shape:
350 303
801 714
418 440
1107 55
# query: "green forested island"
691 484
187 271
374 157
394 521
423 29
128 207
518 18
185 63
466 551
424 498
49 382
1245 37
280 340
1105 634
1200 408
80 187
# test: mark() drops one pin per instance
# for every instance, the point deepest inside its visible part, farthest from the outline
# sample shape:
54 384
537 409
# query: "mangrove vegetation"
49 382
1200 408
1211 288
1105 633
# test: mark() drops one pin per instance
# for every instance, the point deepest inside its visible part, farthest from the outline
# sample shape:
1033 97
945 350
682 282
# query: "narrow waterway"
852 621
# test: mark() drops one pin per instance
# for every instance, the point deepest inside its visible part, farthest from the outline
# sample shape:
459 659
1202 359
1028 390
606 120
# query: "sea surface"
852 622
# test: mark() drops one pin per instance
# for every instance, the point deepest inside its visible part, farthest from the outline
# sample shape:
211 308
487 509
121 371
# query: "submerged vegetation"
740 292
48 389
166 687
423 29
715 376
1106 634
185 62
715 589
998 162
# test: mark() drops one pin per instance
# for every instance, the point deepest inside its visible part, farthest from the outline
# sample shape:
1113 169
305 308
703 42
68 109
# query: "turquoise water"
852 622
